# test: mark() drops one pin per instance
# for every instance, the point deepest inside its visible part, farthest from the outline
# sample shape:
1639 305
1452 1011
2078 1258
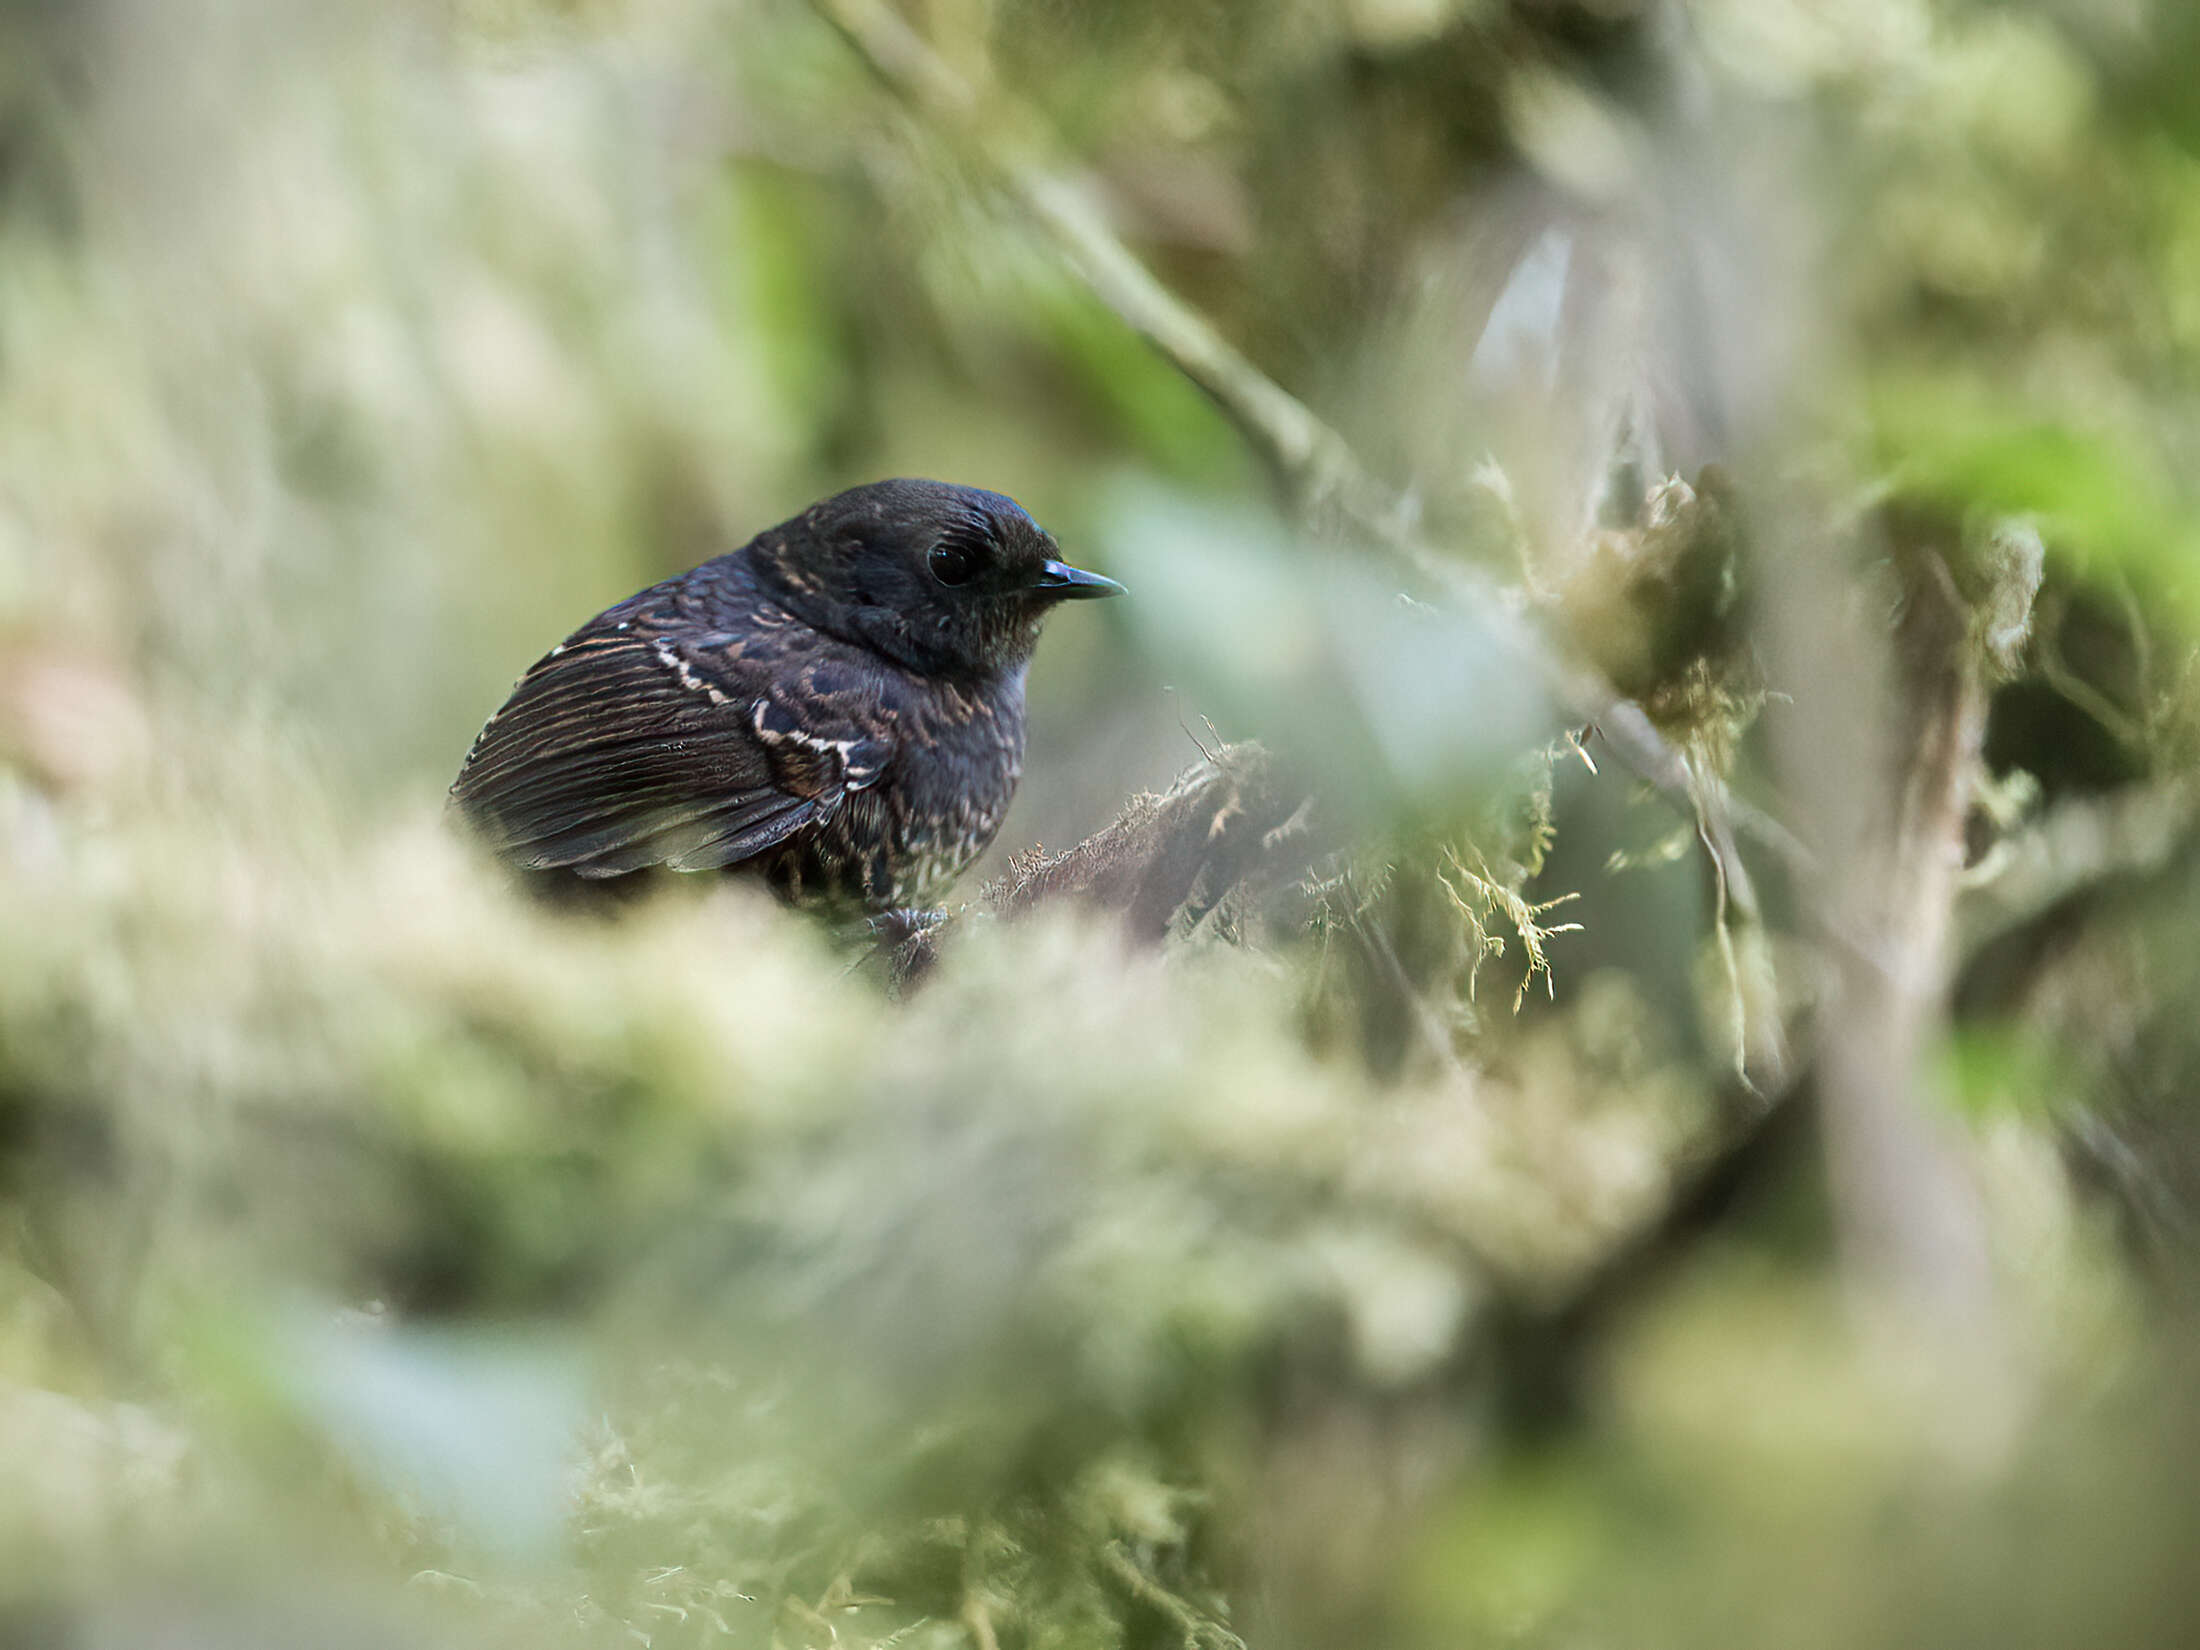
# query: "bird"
836 708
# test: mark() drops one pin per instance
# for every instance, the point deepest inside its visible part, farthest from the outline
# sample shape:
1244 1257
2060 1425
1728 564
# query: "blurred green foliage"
384 1260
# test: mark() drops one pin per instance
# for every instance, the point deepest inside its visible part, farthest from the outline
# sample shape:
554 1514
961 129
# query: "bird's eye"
954 564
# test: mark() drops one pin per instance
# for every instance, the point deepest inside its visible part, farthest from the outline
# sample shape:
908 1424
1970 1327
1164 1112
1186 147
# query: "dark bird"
837 707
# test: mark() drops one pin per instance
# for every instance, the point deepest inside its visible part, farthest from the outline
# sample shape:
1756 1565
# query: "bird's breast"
900 841
961 754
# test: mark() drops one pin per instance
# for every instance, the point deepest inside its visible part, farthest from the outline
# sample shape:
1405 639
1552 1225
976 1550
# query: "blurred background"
1691 1139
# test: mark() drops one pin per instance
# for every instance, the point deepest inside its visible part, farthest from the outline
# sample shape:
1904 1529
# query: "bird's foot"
895 929
903 943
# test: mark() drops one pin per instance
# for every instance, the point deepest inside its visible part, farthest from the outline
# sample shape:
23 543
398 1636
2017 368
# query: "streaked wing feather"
745 841
611 757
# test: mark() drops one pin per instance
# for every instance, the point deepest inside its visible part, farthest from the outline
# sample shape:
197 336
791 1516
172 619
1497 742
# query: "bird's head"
950 581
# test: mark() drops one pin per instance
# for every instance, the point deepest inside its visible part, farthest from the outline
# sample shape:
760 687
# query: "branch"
1909 1213
1230 829
1230 825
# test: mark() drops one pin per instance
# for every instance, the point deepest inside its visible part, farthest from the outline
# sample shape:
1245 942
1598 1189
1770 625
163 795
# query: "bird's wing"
624 749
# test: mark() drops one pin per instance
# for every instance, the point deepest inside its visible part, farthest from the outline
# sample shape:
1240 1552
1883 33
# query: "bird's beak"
1072 584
